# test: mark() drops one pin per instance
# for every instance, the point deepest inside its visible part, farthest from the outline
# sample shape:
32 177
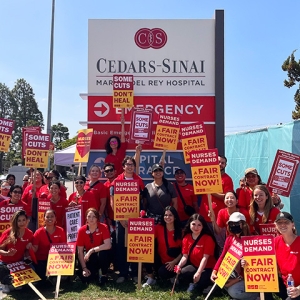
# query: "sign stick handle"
174 284
210 205
139 275
57 286
36 291
262 295
79 169
163 158
211 290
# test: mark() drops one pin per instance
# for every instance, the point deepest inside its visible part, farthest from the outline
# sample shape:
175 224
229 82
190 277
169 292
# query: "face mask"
235 229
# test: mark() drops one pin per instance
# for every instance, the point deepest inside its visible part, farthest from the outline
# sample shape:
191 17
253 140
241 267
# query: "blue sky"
259 36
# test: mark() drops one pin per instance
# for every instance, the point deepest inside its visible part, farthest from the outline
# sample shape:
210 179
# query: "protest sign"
43 205
140 246
83 145
206 171
73 222
193 137
6 129
126 199
22 273
229 262
123 91
167 132
61 259
6 213
283 173
260 271
25 132
268 229
140 126
37 150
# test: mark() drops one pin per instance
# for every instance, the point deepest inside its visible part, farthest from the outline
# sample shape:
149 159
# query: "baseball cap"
284 215
178 170
251 170
157 167
236 217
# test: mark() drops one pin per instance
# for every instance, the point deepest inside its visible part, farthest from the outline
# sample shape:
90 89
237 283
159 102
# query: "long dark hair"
107 144
205 230
177 224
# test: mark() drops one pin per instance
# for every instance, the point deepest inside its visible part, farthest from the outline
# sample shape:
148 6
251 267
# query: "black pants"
188 271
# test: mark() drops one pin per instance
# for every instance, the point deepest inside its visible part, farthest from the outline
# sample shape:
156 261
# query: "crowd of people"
190 239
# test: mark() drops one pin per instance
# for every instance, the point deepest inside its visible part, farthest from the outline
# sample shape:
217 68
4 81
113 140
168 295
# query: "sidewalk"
70 187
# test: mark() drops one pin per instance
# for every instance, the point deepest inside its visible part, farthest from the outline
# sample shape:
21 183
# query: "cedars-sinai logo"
154 38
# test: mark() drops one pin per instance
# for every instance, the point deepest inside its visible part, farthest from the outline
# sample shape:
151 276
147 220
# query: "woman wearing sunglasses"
4 192
82 197
93 243
43 237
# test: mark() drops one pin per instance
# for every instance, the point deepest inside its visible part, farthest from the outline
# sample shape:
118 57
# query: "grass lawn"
126 290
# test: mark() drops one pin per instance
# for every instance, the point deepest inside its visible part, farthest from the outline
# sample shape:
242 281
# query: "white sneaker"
120 279
173 279
150 281
5 289
191 287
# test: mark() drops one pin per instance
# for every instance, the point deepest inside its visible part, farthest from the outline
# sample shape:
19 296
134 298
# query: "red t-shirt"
288 258
217 204
205 245
108 208
27 197
41 240
118 158
91 240
20 246
161 243
223 216
272 217
87 200
99 192
60 210
135 177
189 197
245 196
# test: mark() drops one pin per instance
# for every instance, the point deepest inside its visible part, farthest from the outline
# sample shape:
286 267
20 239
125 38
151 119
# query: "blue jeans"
237 291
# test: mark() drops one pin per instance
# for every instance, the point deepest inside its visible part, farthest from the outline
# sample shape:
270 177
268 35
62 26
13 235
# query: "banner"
25 131
140 246
140 126
193 137
283 173
61 259
73 222
229 262
167 132
260 271
123 91
6 213
206 172
6 129
37 150
268 229
43 205
83 145
126 199
22 273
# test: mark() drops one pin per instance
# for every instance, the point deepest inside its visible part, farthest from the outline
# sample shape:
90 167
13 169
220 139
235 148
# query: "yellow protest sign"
6 129
126 199
140 247
260 271
206 172
167 132
4 142
61 259
229 262
35 158
22 273
123 91
83 145
193 137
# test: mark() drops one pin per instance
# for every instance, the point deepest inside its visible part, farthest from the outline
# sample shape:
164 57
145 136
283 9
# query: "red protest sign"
123 91
141 126
283 173
6 129
25 131
6 212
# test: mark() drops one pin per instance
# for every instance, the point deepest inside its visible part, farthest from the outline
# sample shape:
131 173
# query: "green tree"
60 133
69 142
27 114
292 67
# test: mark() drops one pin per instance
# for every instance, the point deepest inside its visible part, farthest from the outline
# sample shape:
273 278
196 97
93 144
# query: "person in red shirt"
58 203
97 188
168 244
48 177
15 241
199 253
287 246
42 239
85 198
93 243
187 192
262 210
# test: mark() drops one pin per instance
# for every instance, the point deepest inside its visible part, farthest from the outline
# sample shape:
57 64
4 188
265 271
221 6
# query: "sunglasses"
108 170
157 170
17 192
5 187
79 182
179 173
49 177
